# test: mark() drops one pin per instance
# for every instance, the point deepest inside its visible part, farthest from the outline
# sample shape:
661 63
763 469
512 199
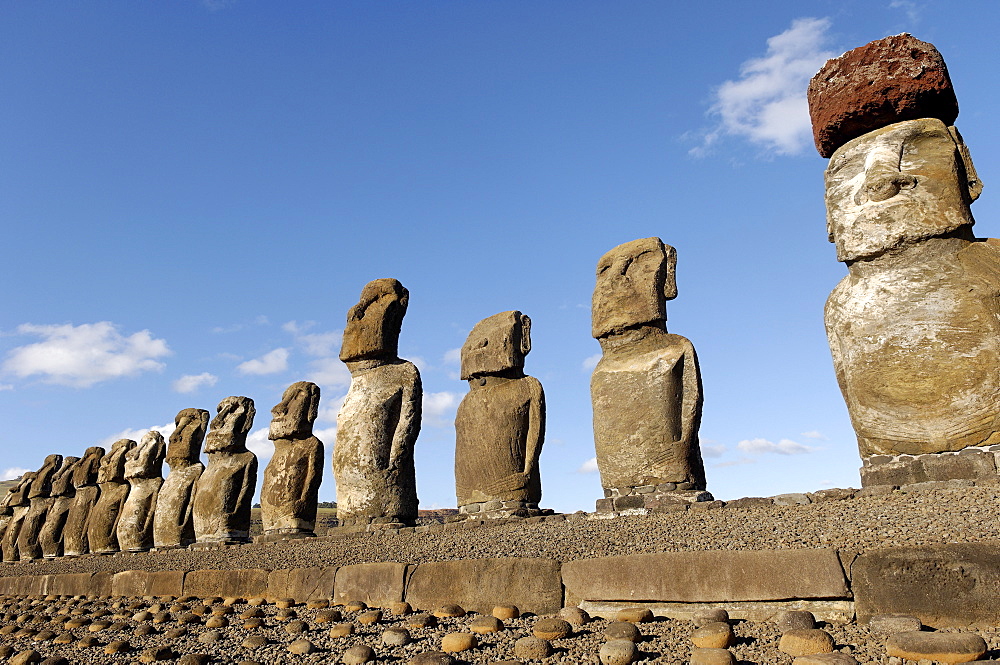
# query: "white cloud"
590 362
814 434
736 462
452 356
712 449
136 434
269 363
329 373
327 435
13 473
85 354
912 9
767 103
590 466
191 382
763 446
262 447
439 408
6 386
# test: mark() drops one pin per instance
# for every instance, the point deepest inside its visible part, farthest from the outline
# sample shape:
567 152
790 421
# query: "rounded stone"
449 611
29 656
506 612
552 629
716 635
710 615
176 633
486 624
252 624
455 642
432 658
153 654
634 615
222 609
301 647
117 646
210 636
395 637
256 602
252 613
575 615
890 624
357 655
296 627
618 652
285 603
143 630
189 618
400 608
64 638
712 657
342 630
217 622
193 659
794 620
329 616
285 614
805 641
318 604
826 659
622 630
941 647
533 648
421 621
142 616
355 606
87 642
254 642
369 617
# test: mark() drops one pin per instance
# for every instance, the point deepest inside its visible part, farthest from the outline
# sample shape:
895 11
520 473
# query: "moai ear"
973 183
670 279
525 334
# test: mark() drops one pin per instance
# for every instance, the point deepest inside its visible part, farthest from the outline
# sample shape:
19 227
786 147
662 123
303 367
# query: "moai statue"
39 495
173 523
224 493
17 503
379 421
63 493
144 473
914 327
500 424
290 492
86 492
102 524
646 389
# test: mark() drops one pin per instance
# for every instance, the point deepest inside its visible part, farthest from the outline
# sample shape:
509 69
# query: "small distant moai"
224 493
86 492
646 389
18 504
39 495
102 524
379 421
63 493
14 494
144 473
914 327
290 492
173 523
500 424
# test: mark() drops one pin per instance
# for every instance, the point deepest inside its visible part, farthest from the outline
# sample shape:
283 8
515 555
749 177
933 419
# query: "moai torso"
17 503
173 524
224 492
144 473
646 389
86 492
102 524
51 536
378 424
39 494
500 424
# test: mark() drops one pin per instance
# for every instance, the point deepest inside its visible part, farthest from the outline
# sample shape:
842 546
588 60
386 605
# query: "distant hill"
6 486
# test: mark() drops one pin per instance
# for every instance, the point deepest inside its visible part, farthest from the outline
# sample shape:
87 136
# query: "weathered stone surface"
28 546
15 507
646 389
144 473
455 642
551 628
173 521
50 538
533 585
302 584
618 652
376 584
888 624
825 659
224 492
378 424
500 424
290 492
75 541
914 328
972 464
102 524
701 656
138 583
716 635
532 648
805 641
245 583
883 82
953 585
794 619
709 615
938 647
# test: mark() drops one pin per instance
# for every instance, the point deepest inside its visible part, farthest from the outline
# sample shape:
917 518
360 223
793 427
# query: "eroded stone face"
173 523
75 541
190 426
634 281
39 493
500 424
292 478
102 522
63 493
373 325
17 503
143 469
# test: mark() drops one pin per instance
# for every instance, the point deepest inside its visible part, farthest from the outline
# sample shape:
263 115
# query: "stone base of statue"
221 543
975 463
497 509
375 523
278 535
663 498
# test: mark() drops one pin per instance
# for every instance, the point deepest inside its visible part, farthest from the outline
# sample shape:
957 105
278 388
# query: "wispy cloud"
736 462
439 408
712 449
763 446
590 362
13 473
589 466
452 356
329 373
814 434
910 8
767 105
271 362
86 354
136 434
262 447
192 382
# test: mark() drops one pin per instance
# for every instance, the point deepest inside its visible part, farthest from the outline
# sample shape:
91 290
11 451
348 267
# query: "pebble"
300 647
532 648
888 624
942 647
253 624
217 622
805 641
254 642
506 612
329 616
317 604
486 624
449 611
400 608
574 615
285 603
421 621
369 617
432 658
552 629
710 615
117 646
29 656
153 654
826 659
194 659
712 657
342 630
618 652
396 637
622 630
355 606
634 615
455 642
296 627
210 636
794 620
716 635
358 655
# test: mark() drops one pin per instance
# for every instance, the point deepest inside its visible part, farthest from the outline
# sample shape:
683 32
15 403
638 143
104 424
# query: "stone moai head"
497 344
230 426
41 486
112 468
85 473
634 282
146 459
62 482
293 417
18 495
190 426
373 325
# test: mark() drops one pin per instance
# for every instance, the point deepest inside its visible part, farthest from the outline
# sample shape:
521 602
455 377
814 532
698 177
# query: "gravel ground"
966 514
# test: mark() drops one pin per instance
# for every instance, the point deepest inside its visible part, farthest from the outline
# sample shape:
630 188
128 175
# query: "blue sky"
194 193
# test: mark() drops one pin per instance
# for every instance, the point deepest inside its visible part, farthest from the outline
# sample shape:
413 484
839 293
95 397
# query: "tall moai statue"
7 503
39 496
51 536
18 504
500 424
914 327
224 493
102 524
144 473
379 421
290 493
86 491
173 523
646 389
